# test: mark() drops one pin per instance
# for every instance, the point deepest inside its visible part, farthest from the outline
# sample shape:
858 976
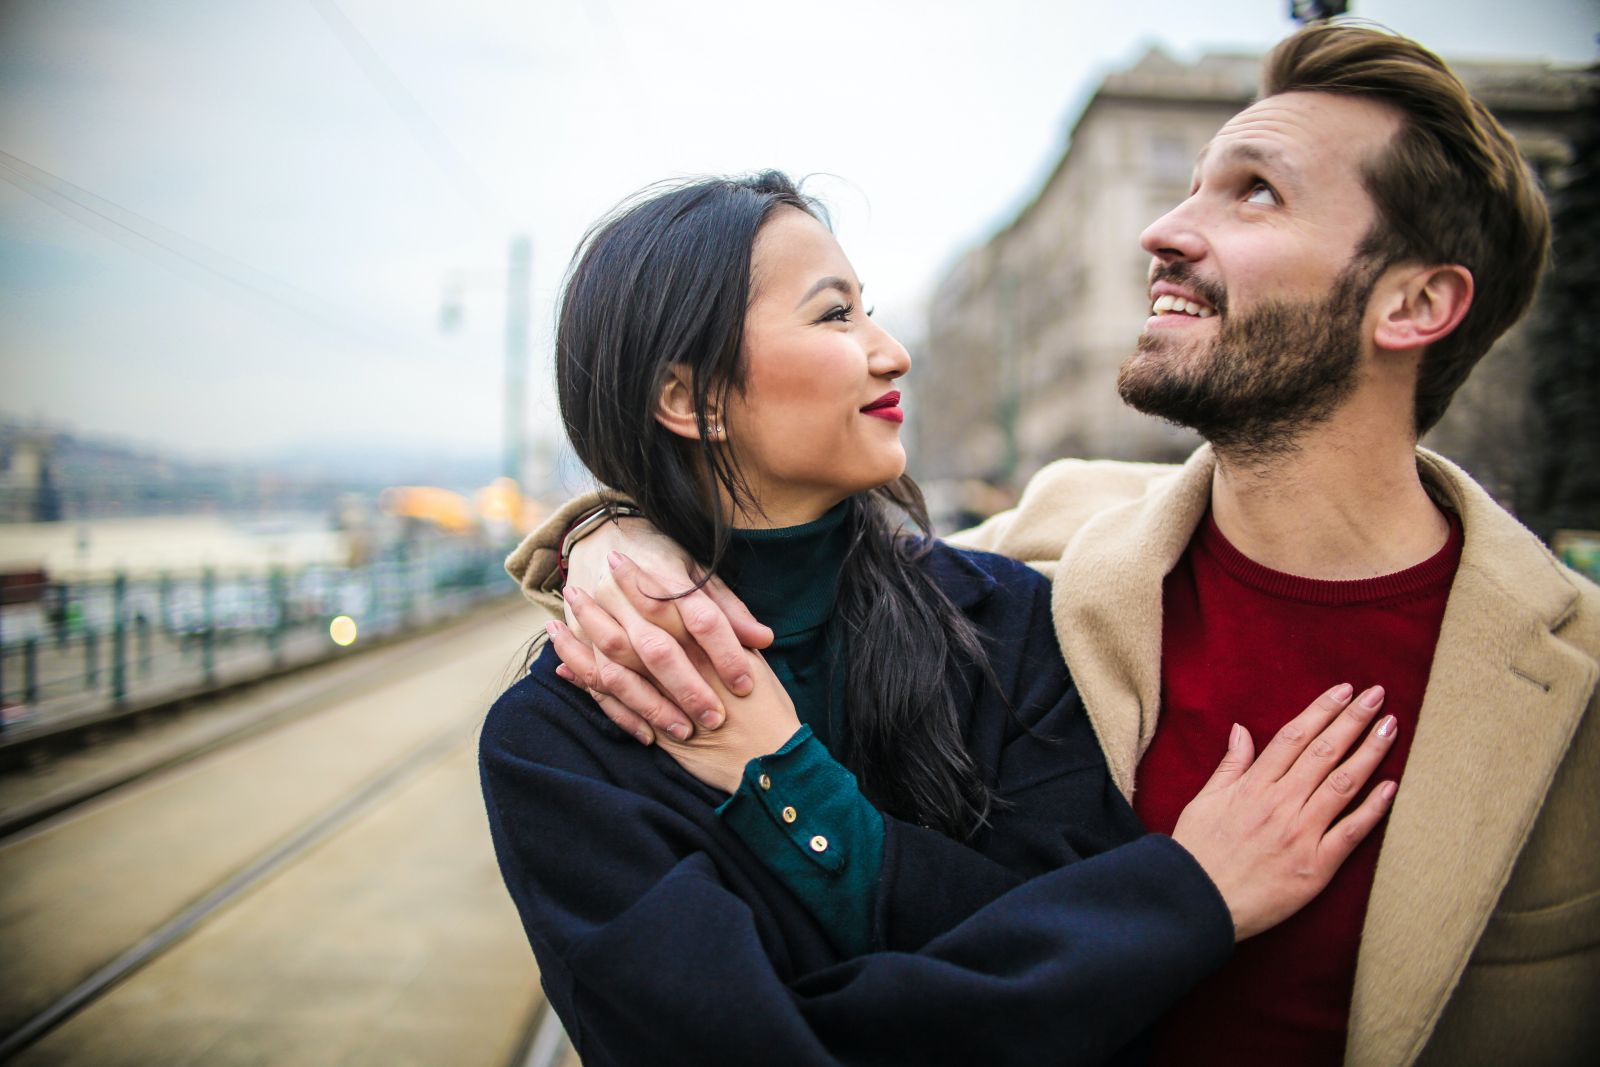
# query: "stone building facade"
1026 332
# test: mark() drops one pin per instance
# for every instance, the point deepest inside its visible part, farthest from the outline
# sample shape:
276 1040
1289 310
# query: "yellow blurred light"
343 631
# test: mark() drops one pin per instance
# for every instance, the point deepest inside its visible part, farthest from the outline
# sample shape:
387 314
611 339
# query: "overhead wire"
429 137
183 254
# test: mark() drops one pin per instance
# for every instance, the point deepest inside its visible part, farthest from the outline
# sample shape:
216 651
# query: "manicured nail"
743 683
552 628
1341 693
1372 698
711 718
1235 737
1387 790
679 731
563 672
616 559
1386 727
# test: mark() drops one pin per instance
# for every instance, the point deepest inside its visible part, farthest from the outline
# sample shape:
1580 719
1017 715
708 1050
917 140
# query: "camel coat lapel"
1107 605
1504 698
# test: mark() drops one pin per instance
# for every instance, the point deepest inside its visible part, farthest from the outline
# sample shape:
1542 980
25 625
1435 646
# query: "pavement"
384 935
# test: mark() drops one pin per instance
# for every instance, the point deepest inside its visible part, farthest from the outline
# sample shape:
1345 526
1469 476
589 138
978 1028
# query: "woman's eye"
1261 193
841 313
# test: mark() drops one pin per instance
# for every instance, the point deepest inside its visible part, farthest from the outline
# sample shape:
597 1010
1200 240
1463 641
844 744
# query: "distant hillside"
49 472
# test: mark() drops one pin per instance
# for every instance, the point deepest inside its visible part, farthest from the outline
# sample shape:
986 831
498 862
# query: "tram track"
262 867
273 701
282 847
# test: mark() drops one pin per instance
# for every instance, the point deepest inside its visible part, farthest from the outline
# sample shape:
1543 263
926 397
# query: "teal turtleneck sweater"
799 809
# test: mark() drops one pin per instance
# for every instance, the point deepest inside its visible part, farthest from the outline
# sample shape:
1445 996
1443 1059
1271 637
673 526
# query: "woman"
900 878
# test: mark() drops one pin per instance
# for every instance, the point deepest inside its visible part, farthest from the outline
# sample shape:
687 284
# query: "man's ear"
1422 305
675 405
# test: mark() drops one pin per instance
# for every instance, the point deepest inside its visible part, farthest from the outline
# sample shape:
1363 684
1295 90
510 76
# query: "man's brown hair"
1450 188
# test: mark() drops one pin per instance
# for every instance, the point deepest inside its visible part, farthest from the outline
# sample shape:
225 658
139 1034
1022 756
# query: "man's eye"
1261 193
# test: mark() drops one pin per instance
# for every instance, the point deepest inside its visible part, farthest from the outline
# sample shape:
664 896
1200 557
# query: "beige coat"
1482 939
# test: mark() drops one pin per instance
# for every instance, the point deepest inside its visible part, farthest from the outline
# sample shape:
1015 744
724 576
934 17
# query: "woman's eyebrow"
830 282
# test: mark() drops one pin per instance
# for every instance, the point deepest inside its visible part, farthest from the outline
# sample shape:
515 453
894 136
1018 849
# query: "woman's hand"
757 725
1263 827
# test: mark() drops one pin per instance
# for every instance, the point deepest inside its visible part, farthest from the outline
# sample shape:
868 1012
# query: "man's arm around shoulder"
1056 503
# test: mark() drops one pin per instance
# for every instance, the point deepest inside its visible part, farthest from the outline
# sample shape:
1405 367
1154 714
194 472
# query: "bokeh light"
343 631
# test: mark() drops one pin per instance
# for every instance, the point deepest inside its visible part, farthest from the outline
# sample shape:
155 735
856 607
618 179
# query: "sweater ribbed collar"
1432 575
789 577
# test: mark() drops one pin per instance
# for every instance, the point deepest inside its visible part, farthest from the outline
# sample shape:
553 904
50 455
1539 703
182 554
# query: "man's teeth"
1167 302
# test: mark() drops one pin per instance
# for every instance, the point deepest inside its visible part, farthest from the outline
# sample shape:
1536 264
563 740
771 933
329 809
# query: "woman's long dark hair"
665 282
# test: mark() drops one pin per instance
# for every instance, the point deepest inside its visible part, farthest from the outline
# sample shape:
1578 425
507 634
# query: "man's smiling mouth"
1167 304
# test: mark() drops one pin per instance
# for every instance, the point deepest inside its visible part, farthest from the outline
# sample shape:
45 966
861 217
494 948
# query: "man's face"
1258 297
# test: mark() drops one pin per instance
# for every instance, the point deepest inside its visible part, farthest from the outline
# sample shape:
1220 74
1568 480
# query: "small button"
819 844
790 815
764 782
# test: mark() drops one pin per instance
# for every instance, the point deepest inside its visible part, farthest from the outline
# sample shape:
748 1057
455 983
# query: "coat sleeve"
658 960
1057 803
535 563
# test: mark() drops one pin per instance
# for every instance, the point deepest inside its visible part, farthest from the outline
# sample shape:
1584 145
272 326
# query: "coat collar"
1504 697
963 581
1107 606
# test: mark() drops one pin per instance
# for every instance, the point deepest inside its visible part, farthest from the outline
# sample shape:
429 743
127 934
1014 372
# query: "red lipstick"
887 407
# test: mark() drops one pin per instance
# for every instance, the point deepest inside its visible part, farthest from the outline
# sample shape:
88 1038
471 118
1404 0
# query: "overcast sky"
227 227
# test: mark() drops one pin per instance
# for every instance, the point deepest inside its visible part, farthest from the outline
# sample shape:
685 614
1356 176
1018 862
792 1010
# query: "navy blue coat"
661 939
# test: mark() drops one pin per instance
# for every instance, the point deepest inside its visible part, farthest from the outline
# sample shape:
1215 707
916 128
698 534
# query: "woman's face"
819 418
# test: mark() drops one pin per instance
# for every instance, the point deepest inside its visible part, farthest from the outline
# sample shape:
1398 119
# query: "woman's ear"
1423 307
675 405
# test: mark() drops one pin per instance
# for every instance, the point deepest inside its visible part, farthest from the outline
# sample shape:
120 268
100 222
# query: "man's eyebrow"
1259 155
830 282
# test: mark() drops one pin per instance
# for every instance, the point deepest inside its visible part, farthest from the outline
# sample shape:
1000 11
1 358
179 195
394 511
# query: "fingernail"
552 628
679 731
1387 790
1372 698
1341 693
1386 727
616 559
562 672
574 594
743 682
711 718
1235 736
643 736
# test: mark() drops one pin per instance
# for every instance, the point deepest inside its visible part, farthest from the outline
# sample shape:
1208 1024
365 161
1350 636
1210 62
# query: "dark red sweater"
1241 643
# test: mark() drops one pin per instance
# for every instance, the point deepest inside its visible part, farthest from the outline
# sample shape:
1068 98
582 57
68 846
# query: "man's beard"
1270 374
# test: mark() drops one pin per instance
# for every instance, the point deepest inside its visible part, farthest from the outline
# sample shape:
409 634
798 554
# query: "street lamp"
1304 11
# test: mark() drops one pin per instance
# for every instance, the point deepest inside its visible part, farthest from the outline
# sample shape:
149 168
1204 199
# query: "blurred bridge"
298 872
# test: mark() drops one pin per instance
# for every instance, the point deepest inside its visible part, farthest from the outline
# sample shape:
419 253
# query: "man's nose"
1175 235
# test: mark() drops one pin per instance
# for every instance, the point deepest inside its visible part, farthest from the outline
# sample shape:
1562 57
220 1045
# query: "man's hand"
760 723
1263 828
636 642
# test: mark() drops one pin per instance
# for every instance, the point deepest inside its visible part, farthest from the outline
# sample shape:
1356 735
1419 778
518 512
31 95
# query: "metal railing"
74 648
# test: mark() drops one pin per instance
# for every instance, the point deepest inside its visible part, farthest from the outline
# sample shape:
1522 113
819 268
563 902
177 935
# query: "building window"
1169 159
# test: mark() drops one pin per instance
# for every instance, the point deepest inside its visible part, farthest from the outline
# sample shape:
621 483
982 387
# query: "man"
1354 242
